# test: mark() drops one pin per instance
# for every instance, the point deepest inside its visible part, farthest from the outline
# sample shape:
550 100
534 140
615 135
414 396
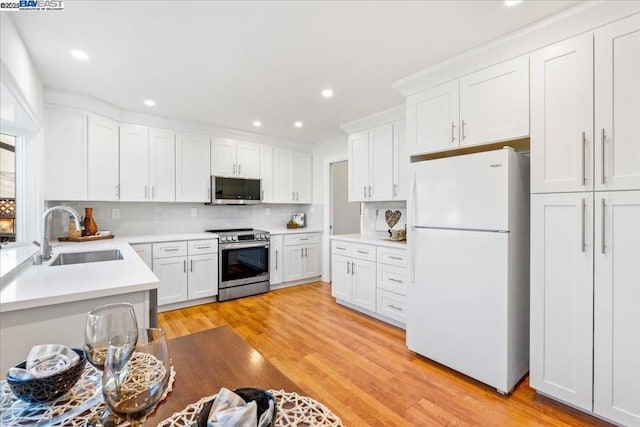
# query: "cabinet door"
401 162
341 277
617 298
275 260
134 163
162 165
203 276
432 119
562 116
192 169
363 292
359 167
102 159
172 273
311 261
617 107
303 177
266 173
144 252
65 154
248 158
283 175
293 263
223 157
494 103
562 296
381 163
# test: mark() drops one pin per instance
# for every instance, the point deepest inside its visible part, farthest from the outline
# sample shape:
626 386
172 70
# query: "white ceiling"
230 63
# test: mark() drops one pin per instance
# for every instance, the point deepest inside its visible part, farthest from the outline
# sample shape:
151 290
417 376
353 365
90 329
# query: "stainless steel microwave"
235 191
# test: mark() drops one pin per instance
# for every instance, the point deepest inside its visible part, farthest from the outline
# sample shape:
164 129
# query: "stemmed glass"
104 323
136 377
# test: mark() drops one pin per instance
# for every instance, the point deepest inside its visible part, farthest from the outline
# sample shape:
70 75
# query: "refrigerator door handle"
603 224
583 244
584 158
411 202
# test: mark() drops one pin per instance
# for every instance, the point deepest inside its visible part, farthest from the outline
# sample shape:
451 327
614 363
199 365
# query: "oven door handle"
244 245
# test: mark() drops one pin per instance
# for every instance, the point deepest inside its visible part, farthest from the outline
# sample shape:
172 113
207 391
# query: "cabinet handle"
397 258
363 252
353 268
304 238
301 252
297 196
395 189
341 249
369 191
234 169
395 280
170 249
184 266
348 270
584 158
603 137
145 191
583 243
191 265
365 191
306 252
153 192
239 168
603 225
395 307
261 194
463 124
453 129
118 190
293 195
276 259
203 247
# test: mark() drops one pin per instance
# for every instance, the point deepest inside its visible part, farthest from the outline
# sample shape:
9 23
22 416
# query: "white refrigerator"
468 301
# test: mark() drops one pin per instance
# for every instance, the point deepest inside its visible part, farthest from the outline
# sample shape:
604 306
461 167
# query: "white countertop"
168 237
359 238
42 285
278 231
14 257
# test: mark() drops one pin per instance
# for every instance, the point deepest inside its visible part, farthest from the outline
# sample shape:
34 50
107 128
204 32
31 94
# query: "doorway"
7 188
345 215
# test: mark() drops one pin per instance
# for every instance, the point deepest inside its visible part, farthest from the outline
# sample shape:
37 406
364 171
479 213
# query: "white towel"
230 410
46 360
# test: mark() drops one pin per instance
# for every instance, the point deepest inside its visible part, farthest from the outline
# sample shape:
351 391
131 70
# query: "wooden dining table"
206 361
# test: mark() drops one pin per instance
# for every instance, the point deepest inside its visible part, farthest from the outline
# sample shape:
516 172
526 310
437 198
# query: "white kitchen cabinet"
172 272
293 263
562 116
102 159
231 158
617 106
433 116
134 163
381 184
494 103
358 166
487 106
276 254
144 251
292 172
66 154
193 170
401 162
363 292
354 277
302 178
341 277
311 261
202 278
562 296
616 358
266 173
162 165
301 256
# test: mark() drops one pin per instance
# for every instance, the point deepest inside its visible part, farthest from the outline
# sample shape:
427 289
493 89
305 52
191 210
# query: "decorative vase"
90 226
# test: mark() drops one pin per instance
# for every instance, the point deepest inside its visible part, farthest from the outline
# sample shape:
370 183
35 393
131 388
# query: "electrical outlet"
115 213
194 211
267 211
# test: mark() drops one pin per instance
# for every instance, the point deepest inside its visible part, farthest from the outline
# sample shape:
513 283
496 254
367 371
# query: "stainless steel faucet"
45 247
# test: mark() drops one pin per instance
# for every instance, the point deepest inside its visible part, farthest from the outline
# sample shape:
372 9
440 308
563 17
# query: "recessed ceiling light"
327 93
149 102
79 55
298 124
257 123
512 2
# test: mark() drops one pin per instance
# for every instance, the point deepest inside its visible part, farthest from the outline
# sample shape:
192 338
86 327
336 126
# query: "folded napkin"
230 410
46 360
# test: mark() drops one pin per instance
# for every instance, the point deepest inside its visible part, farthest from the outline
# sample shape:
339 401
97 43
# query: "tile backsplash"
167 218
373 217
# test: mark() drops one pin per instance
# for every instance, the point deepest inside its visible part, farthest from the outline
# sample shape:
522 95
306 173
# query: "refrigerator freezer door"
465 192
457 307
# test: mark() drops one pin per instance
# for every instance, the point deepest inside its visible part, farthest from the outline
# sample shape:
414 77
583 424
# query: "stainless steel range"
243 265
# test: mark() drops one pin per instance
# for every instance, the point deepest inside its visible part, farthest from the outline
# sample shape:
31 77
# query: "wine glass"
104 323
136 377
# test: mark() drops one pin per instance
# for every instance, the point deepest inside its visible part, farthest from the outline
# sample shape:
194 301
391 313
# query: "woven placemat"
293 410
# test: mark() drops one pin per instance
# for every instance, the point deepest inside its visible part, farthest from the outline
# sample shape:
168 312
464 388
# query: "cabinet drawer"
365 252
392 256
392 305
197 247
301 239
169 249
392 278
341 248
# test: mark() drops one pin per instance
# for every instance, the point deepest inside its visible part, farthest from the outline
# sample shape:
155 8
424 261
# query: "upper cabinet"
378 164
193 179
291 176
66 154
487 106
102 159
566 79
147 164
232 158
266 173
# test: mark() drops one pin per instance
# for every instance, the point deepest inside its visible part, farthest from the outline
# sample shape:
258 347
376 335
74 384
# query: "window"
7 188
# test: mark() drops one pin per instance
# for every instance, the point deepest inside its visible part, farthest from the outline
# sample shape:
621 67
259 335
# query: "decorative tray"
85 238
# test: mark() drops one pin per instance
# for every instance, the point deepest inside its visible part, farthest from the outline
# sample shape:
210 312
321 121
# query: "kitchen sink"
85 257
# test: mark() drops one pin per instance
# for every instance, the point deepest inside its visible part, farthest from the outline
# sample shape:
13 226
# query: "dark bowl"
41 390
261 397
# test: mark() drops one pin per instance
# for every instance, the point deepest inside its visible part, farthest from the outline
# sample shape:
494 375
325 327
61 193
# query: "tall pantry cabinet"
585 221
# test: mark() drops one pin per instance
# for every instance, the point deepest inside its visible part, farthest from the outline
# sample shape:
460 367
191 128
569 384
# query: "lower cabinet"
172 273
354 281
301 256
275 260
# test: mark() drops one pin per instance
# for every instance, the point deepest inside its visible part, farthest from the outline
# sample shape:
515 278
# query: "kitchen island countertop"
370 240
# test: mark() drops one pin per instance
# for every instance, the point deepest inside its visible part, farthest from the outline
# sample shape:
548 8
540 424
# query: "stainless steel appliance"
243 265
235 191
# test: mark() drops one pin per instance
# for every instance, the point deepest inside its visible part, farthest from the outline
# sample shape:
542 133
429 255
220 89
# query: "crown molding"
376 119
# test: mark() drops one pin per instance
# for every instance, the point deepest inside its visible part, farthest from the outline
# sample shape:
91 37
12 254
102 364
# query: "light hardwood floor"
361 368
